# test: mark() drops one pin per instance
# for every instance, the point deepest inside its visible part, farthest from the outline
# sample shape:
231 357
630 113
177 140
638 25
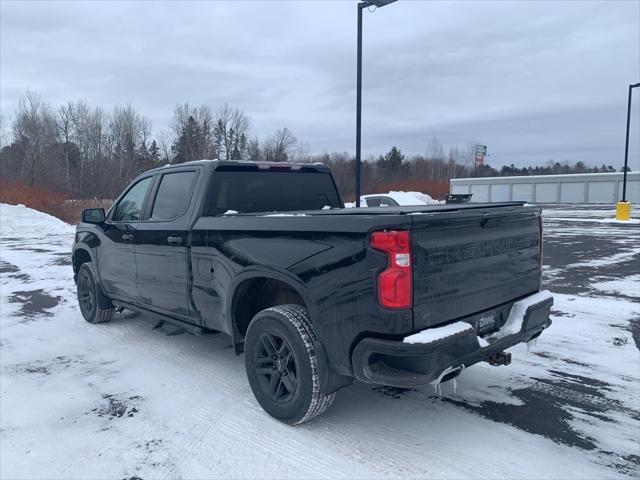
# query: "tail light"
394 283
541 241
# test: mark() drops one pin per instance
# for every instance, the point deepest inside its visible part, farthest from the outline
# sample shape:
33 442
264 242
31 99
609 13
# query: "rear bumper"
442 355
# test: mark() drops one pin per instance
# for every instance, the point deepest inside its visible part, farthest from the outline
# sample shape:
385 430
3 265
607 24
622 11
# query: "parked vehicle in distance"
458 197
314 294
396 199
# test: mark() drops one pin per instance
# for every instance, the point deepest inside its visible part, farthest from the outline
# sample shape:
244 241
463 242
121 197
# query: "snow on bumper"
424 357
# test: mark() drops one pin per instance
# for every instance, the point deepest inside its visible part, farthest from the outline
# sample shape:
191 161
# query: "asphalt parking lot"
121 400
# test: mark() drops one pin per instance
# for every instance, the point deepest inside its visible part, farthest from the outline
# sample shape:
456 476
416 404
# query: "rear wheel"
94 305
282 367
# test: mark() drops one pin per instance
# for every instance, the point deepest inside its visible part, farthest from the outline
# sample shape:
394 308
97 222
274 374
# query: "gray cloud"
533 80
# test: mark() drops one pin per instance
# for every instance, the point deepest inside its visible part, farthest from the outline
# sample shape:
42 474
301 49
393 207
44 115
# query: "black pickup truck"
313 293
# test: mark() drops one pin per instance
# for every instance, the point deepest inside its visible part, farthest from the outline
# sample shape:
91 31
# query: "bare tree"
302 153
164 142
4 131
435 151
231 126
129 129
34 130
276 147
254 151
65 137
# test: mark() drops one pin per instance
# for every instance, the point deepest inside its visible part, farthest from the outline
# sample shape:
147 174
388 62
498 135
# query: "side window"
130 206
173 195
387 202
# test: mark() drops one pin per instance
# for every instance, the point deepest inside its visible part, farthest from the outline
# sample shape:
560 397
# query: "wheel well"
256 294
80 257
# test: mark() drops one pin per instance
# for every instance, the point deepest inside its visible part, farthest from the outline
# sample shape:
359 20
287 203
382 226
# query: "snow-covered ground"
120 400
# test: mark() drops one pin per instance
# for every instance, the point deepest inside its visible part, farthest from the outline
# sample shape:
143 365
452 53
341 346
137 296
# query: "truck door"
116 261
161 247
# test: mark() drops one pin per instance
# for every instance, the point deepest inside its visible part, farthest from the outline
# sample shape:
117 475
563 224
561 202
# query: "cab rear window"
271 191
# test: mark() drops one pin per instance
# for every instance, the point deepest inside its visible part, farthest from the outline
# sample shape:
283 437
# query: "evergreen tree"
154 152
186 145
392 161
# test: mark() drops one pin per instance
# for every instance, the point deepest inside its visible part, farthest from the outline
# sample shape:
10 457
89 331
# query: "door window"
173 195
129 207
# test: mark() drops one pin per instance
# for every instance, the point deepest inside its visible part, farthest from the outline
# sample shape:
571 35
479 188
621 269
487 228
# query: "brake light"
279 166
394 283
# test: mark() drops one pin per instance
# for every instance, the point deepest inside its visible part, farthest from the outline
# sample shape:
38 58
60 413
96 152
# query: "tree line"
88 152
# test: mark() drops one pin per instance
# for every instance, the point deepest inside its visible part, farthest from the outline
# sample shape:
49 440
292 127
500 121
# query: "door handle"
127 237
174 240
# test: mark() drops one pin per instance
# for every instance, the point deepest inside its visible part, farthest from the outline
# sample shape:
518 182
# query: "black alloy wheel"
86 296
276 367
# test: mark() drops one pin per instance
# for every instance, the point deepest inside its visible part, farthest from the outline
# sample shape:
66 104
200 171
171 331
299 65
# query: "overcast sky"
532 80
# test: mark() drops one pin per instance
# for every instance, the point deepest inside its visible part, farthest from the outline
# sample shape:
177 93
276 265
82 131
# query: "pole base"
623 211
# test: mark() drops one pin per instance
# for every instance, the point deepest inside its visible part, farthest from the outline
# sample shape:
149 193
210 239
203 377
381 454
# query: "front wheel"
282 367
94 306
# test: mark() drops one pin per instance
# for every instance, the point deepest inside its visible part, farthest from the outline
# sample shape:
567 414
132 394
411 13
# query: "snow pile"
412 198
401 198
18 220
518 310
434 334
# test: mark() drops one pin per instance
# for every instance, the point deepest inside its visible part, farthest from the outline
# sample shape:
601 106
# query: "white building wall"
576 188
572 192
522 192
500 192
480 193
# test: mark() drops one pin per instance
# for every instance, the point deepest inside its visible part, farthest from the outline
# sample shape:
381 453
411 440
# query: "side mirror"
93 215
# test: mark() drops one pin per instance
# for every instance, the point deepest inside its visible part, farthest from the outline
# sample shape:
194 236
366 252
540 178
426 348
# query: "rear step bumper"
439 354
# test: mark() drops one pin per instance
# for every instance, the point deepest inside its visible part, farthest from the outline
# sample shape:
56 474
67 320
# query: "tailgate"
472 260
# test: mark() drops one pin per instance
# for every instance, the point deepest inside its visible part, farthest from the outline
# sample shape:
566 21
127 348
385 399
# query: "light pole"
623 209
361 6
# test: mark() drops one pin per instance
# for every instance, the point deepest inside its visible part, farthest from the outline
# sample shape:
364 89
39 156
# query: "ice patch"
434 334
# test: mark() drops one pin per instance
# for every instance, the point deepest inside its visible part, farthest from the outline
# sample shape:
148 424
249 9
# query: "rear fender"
274 273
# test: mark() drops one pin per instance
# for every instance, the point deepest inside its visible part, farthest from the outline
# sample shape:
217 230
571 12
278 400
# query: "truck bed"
400 210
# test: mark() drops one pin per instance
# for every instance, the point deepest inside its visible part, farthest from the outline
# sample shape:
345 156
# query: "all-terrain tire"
291 330
94 305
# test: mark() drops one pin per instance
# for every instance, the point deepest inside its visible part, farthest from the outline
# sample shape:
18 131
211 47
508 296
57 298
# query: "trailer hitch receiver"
497 359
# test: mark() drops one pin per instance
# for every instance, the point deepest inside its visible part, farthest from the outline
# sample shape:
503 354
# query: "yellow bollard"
623 211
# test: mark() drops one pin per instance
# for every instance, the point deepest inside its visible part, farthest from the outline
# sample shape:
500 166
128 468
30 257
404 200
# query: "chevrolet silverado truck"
315 294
